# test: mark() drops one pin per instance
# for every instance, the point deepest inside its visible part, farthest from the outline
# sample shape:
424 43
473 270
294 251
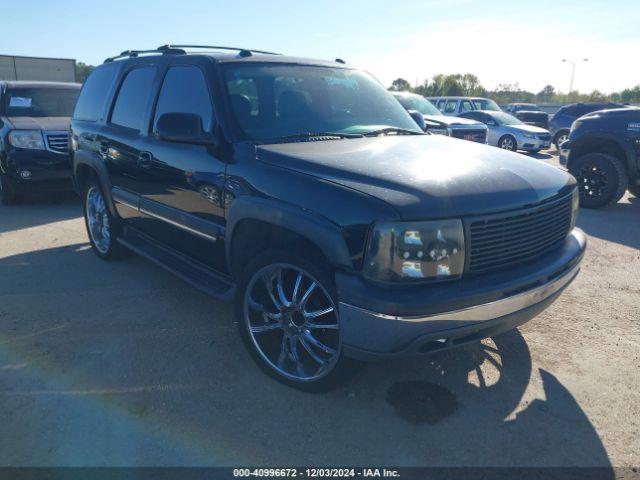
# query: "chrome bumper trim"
489 311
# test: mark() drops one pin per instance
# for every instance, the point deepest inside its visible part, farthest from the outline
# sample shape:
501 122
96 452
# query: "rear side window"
466 106
184 90
131 105
450 107
93 96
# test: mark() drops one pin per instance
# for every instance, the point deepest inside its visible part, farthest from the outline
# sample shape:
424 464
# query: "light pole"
573 70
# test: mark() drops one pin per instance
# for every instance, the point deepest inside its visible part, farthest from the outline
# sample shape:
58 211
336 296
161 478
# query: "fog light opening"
25 174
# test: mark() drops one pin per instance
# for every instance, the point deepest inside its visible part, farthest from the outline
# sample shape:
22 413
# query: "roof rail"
243 52
136 53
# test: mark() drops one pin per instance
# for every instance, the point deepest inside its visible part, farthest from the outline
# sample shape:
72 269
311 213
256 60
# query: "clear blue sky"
501 41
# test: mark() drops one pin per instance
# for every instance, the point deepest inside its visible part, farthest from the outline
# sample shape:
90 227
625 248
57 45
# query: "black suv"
34 137
603 153
560 122
303 190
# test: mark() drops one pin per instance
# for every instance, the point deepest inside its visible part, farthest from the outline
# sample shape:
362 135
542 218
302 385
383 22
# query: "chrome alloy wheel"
292 322
562 138
98 219
508 144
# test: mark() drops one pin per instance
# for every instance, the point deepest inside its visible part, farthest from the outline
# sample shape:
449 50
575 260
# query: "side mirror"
183 128
418 118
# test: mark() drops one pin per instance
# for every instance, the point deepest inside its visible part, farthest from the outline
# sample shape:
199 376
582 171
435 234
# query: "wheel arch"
87 166
601 144
254 224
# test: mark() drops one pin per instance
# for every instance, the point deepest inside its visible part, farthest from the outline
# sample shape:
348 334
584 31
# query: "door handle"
103 148
145 159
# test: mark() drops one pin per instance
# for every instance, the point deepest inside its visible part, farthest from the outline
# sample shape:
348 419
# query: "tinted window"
466 106
474 116
94 93
450 106
130 108
40 102
184 90
271 101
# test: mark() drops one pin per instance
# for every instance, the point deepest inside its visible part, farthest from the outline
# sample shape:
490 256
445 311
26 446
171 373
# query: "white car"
458 105
509 133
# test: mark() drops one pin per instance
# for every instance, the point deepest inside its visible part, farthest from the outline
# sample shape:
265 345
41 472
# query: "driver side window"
185 90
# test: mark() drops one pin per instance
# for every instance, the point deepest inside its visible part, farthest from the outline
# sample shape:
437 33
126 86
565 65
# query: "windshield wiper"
320 135
396 130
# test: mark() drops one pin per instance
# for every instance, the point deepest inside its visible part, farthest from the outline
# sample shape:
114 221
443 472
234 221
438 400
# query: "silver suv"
454 106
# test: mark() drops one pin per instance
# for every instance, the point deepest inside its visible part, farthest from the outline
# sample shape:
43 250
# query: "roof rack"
136 53
243 52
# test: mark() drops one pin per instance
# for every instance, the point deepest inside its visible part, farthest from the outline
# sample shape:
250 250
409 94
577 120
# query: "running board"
191 271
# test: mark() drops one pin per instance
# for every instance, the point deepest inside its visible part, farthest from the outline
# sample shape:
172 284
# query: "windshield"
419 103
40 102
275 101
525 106
486 104
502 118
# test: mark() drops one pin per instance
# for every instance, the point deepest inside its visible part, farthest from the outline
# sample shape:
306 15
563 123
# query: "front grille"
57 142
498 241
469 134
544 136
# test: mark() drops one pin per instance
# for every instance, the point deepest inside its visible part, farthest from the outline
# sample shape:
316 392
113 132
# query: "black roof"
225 55
36 84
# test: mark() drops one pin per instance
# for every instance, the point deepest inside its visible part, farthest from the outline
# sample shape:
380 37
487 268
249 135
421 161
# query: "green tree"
82 71
400 85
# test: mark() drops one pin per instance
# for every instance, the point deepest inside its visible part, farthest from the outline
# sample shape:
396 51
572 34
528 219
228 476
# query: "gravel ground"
123 364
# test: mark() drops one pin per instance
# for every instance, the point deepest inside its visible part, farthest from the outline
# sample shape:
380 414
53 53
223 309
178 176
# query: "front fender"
320 231
95 162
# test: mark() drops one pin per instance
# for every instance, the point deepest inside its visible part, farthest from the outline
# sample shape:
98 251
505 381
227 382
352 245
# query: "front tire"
602 179
287 312
634 190
102 228
508 142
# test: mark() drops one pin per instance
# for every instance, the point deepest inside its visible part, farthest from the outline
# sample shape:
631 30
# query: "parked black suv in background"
603 153
560 122
529 113
305 191
34 137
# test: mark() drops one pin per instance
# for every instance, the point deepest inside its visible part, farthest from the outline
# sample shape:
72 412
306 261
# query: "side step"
192 271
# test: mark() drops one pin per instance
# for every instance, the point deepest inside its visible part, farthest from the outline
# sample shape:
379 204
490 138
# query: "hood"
424 176
450 121
40 123
528 128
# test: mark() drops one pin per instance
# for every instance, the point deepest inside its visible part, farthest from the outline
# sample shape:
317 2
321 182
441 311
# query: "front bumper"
533 143
430 318
47 171
565 152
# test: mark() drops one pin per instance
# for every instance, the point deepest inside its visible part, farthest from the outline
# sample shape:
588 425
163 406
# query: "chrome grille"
57 142
469 134
499 241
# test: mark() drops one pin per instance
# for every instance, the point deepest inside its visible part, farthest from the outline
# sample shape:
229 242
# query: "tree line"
467 84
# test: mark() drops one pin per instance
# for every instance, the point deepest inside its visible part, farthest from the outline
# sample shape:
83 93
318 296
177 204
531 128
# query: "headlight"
412 251
575 206
575 125
529 135
31 139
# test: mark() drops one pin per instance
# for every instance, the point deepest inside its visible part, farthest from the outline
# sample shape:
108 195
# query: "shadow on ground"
122 364
33 211
625 216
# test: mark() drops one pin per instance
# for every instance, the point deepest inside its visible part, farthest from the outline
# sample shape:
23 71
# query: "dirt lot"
123 364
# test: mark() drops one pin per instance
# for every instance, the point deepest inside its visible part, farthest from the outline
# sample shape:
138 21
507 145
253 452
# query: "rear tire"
280 302
102 227
7 193
602 179
561 136
508 142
